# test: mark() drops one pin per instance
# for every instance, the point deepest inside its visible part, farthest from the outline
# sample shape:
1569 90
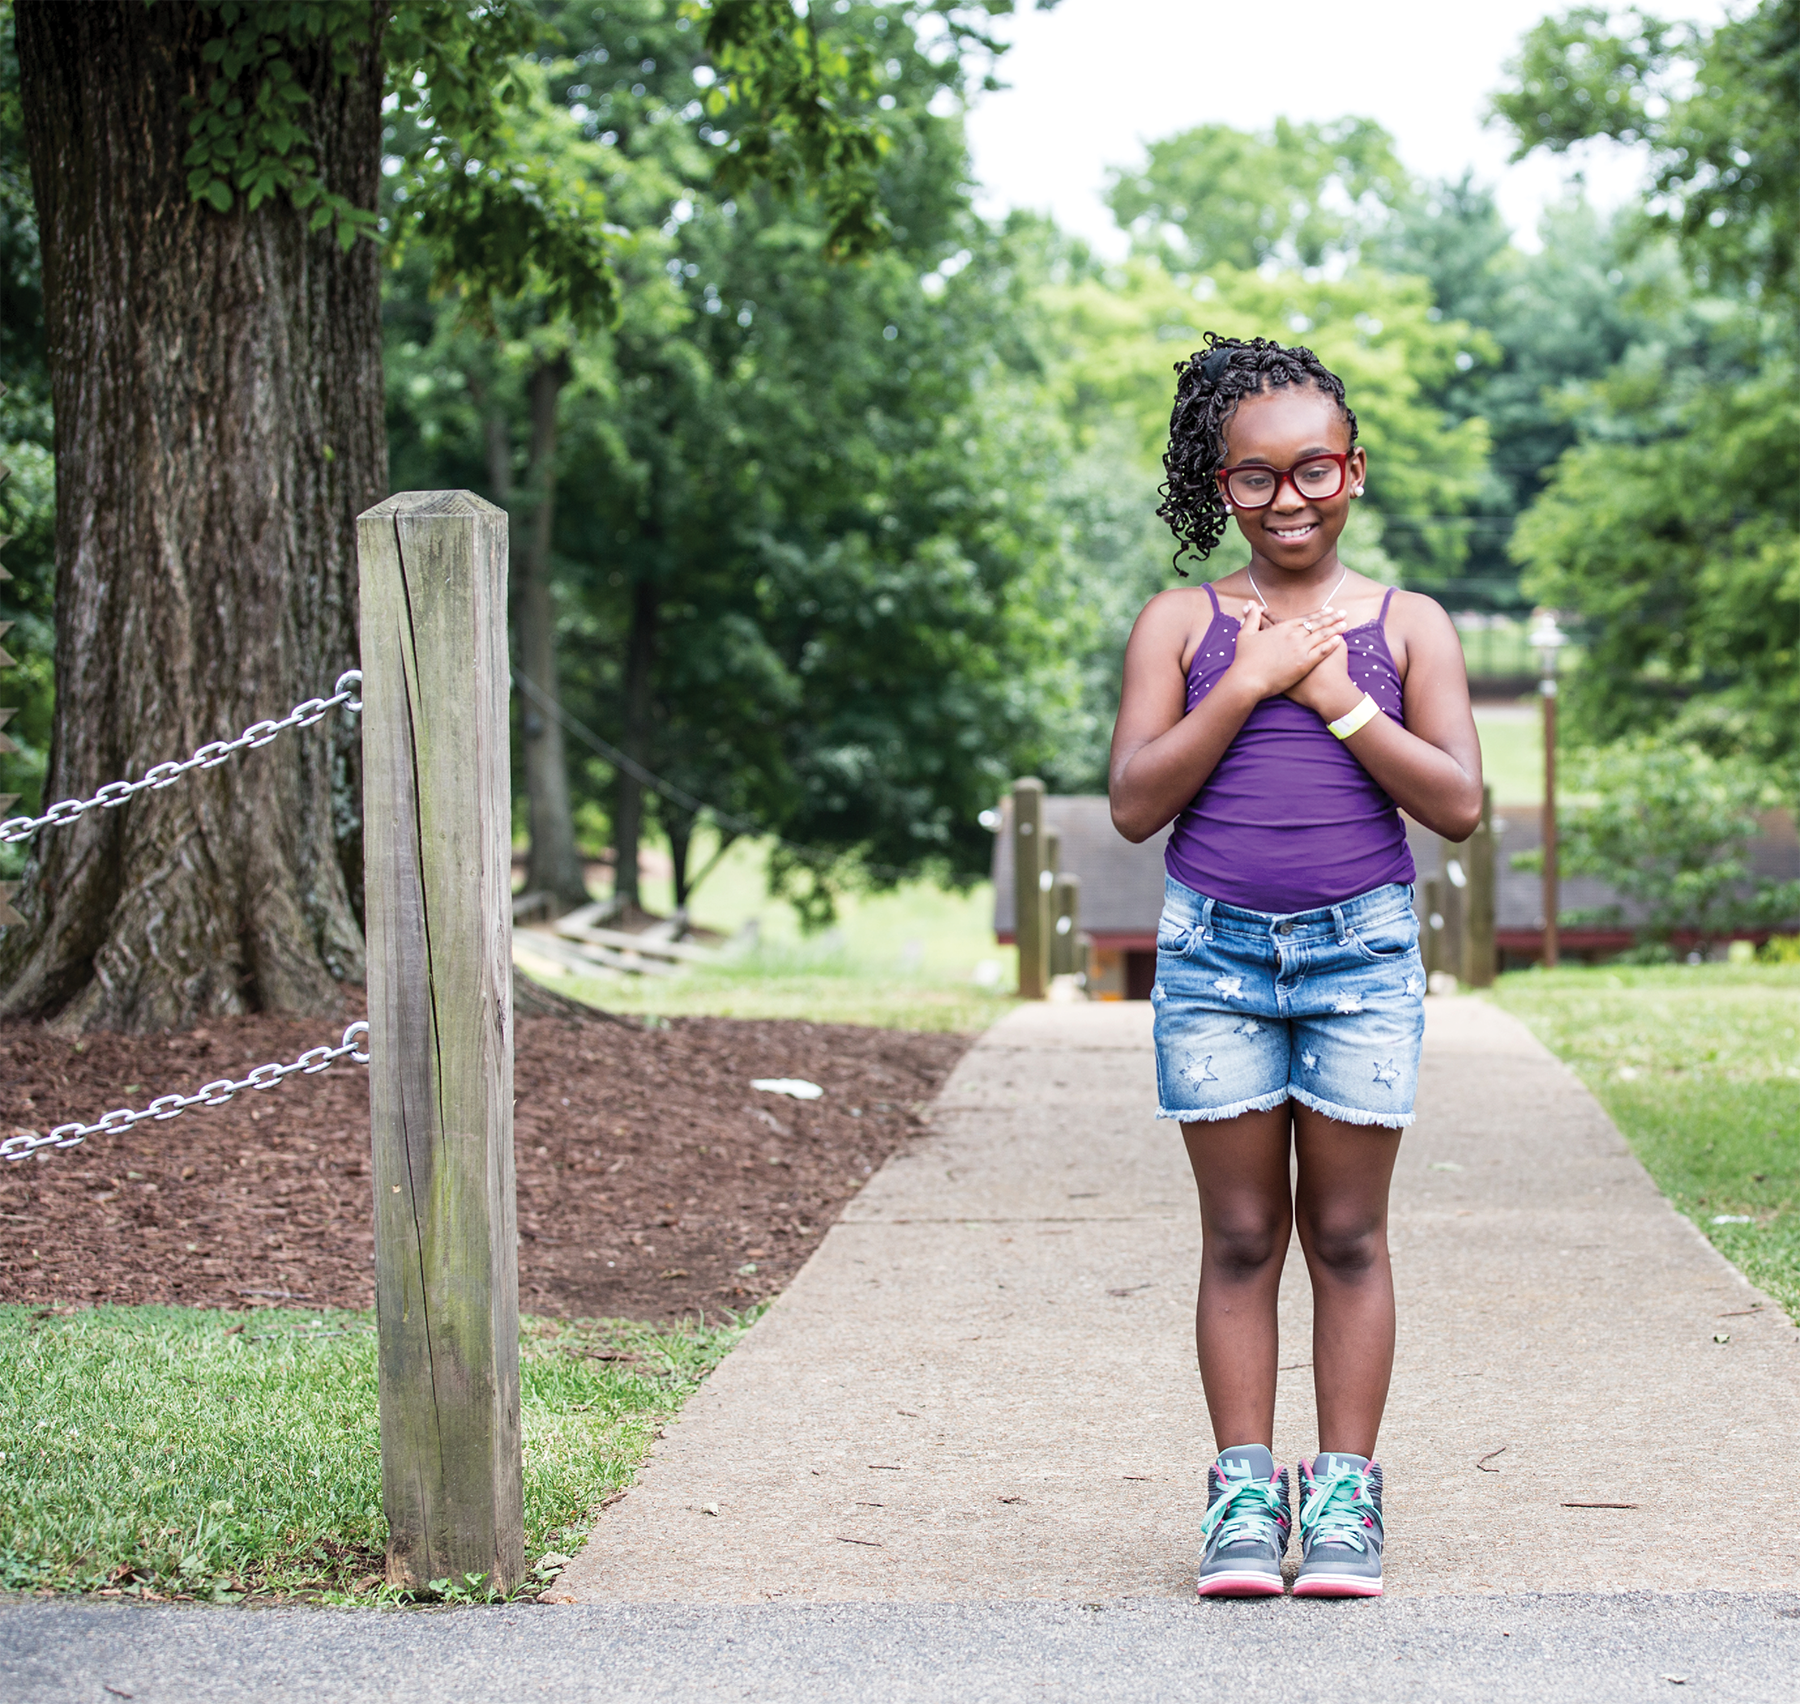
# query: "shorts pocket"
1388 939
1173 936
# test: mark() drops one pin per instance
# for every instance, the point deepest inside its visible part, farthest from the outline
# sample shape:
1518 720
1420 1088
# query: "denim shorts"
1254 1009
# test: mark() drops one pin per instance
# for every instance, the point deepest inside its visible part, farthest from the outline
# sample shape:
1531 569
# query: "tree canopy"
259 131
1669 527
1297 195
809 502
1715 107
833 501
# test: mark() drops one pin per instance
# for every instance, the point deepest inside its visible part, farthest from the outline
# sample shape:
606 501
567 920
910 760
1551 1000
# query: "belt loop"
1206 921
1343 928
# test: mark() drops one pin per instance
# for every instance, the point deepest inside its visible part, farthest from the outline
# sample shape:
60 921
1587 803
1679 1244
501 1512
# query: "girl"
1279 717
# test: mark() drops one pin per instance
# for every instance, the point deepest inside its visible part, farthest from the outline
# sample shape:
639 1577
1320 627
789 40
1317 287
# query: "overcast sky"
1095 79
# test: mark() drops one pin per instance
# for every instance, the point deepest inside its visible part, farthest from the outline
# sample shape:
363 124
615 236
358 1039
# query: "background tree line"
1671 526
793 477
833 501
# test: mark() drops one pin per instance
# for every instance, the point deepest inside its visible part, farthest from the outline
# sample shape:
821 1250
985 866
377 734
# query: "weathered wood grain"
437 832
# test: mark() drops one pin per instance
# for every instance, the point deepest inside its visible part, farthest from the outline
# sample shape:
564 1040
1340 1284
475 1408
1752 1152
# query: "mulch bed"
654 1182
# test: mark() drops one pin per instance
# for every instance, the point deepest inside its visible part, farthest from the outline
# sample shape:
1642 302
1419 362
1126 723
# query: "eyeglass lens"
1255 487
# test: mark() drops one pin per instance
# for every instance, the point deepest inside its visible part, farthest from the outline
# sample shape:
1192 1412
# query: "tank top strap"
1215 598
1381 619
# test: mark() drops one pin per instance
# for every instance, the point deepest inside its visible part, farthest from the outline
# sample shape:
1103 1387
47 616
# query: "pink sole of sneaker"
1239 1585
1328 1587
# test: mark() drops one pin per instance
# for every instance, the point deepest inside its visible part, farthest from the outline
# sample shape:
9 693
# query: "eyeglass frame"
1285 476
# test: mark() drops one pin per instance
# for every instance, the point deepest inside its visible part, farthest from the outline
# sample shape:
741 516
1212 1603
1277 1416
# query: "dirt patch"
654 1182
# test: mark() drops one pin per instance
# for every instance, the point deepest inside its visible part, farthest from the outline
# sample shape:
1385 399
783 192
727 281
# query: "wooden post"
1030 914
437 839
1453 899
1479 900
1047 880
1066 955
1432 890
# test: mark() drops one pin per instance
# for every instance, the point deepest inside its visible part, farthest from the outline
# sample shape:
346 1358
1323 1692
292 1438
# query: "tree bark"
640 665
554 865
218 398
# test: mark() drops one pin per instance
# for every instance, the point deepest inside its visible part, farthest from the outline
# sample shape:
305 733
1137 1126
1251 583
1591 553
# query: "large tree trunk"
217 387
554 866
640 664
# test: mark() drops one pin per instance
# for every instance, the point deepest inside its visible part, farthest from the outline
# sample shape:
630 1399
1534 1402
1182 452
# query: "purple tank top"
1289 820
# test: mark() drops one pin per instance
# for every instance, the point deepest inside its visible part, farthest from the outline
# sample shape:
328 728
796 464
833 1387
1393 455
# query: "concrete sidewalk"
982 1387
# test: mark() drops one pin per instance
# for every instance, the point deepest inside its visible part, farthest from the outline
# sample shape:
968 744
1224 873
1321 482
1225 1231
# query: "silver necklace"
1322 607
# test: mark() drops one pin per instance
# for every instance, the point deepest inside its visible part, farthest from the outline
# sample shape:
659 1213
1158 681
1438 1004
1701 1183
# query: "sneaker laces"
1248 1508
1337 1508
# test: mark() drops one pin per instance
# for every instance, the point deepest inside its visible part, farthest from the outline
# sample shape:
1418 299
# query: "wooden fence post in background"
1432 893
1030 913
437 840
1453 901
1048 877
1066 955
1479 900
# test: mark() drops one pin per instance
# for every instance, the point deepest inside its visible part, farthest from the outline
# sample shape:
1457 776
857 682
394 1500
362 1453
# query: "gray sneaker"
1340 1527
1246 1525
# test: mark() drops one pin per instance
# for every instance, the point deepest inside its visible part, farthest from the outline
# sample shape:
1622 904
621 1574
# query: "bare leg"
1341 1202
1246 1217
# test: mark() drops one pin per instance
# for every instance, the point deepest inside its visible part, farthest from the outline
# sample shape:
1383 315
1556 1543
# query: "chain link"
311 1062
209 756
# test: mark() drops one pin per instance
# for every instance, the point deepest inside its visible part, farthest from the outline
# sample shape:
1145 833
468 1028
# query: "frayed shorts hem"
1212 1114
1269 1102
1352 1114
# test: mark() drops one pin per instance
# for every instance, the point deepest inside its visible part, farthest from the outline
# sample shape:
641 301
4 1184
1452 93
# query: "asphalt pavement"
1564 1649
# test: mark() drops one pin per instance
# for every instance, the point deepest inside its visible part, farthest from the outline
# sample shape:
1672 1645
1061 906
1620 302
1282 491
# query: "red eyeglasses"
1255 485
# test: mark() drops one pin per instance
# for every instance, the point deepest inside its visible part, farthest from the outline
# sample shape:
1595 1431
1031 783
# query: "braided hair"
1210 385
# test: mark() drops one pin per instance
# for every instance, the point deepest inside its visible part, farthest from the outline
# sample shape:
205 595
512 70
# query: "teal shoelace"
1337 1510
1249 1509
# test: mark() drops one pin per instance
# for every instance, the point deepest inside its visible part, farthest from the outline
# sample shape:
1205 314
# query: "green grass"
1699 1066
904 959
1512 753
180 1452
820 982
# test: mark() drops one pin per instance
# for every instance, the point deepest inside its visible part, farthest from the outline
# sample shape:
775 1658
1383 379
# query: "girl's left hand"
1327 689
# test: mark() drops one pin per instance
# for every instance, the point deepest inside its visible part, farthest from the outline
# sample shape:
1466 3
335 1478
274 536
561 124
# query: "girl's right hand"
1272 655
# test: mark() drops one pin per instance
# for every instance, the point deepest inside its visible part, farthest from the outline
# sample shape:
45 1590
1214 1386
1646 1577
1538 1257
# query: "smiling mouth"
1292 535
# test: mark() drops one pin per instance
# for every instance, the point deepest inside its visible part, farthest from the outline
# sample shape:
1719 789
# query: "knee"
1347 1249
1240 1247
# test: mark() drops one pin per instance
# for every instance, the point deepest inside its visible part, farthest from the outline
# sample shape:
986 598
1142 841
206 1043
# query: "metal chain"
115 793
310 1063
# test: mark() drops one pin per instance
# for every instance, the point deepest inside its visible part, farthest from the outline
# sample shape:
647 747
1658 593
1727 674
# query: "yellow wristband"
1351 720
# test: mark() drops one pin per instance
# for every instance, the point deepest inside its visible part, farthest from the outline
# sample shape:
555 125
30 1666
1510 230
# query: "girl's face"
1277 429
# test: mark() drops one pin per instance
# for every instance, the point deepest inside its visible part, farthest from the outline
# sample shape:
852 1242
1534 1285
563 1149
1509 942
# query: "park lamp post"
1547 639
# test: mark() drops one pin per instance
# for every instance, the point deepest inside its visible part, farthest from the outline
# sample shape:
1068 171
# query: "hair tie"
1215 363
